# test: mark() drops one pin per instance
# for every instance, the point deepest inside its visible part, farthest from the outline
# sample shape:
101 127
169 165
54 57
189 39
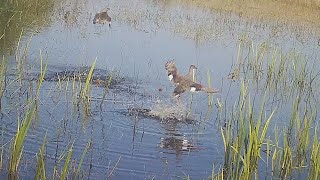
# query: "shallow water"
144 35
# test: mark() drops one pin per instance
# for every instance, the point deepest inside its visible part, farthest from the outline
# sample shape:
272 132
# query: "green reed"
243 144
64 171
17 15
41 170
85 151
314 171
85 94
3 72
23 127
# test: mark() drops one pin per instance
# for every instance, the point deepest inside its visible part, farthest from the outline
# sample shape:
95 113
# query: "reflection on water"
144 35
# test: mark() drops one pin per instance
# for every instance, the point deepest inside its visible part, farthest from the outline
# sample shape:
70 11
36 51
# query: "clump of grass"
243 145
22 129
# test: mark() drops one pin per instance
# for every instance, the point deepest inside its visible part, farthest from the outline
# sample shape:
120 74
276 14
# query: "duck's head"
193 67
170 65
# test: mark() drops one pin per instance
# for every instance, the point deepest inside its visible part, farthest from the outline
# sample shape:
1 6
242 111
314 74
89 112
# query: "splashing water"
167 111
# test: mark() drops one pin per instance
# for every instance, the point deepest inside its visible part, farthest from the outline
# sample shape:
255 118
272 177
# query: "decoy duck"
174 75
102 18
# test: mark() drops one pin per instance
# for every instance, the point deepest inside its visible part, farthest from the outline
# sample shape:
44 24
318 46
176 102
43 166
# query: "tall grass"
3 75
22 129
64 171
17 15
41 170
243 144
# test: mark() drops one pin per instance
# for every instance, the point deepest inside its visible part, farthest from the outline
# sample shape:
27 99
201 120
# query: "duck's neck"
191 73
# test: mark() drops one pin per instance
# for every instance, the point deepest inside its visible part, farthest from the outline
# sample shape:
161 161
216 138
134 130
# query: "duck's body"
102 18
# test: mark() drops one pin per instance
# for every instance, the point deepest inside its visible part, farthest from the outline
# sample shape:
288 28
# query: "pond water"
142 38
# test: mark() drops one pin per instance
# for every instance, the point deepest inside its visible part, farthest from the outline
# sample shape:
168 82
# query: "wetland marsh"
88 101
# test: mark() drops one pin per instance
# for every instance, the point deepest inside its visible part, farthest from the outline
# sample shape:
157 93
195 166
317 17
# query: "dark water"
142 38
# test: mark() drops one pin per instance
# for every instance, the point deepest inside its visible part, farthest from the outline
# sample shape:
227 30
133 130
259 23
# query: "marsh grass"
243 144
41 169
65 171
292 151
3 81
85 151
85 94
17 15
283 76
22 129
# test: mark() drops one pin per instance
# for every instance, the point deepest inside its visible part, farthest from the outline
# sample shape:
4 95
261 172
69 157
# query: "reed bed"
252 149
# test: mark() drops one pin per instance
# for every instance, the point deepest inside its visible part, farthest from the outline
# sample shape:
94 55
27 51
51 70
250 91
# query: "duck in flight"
102 17
184 83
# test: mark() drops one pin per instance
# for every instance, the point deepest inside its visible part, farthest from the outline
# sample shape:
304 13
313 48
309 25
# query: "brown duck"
102 18
175 76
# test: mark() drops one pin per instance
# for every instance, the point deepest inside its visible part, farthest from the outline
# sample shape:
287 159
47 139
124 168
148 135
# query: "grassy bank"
18 15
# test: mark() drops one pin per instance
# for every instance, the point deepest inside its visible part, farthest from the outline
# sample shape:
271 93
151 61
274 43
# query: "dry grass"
286 10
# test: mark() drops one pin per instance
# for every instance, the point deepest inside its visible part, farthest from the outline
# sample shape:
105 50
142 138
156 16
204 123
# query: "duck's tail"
210 90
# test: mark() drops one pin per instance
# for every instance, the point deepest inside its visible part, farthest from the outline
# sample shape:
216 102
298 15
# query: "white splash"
170 77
